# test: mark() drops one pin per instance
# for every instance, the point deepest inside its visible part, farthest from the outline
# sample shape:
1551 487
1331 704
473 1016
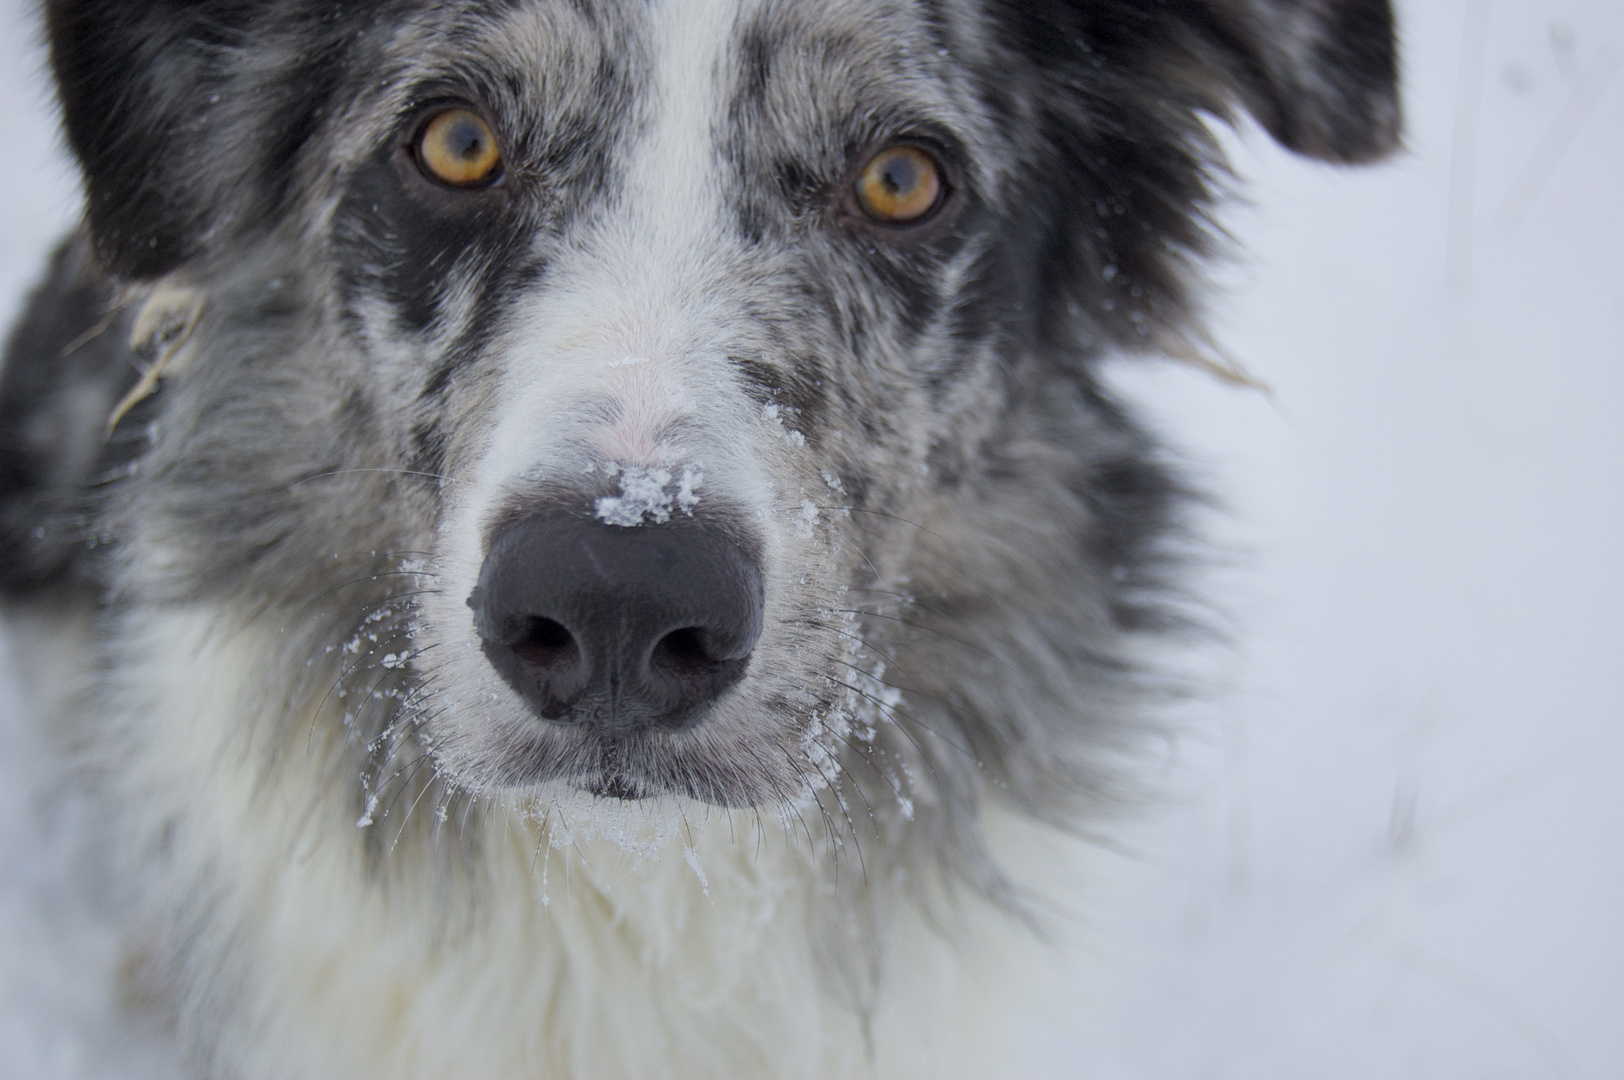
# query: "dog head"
716 373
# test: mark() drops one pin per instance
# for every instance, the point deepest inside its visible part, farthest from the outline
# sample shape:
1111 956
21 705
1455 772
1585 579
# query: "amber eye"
456 147
900 185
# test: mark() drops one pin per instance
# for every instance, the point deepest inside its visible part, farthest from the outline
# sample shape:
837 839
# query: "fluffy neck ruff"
587 940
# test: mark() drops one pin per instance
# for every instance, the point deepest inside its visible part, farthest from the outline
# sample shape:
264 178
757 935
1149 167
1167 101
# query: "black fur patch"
66 366
154 96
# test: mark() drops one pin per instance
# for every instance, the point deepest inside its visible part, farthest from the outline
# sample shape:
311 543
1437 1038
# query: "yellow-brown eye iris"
457 147
899 185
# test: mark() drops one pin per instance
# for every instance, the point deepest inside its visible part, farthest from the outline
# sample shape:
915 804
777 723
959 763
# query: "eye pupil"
466 141
900 176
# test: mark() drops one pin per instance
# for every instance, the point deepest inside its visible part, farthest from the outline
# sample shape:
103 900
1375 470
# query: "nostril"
683 650
546 641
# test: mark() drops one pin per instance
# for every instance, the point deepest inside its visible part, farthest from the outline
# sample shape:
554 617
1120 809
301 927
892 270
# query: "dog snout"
626 628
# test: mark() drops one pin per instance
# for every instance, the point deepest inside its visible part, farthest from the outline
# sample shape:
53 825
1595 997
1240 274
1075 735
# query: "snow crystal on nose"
643 496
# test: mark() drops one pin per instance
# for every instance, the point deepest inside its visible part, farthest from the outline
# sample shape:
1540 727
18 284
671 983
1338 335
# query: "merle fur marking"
963 540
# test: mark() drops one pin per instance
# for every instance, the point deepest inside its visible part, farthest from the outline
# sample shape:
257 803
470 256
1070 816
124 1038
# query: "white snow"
688 489
774 415
643 495
806 521
1392 846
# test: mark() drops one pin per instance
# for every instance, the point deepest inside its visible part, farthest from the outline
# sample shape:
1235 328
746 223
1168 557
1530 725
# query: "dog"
586 538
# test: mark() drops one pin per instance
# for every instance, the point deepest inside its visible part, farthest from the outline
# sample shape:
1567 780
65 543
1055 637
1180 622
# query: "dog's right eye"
900 185
456 147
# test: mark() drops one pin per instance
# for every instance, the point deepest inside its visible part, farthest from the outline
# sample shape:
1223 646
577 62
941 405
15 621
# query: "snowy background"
1395 846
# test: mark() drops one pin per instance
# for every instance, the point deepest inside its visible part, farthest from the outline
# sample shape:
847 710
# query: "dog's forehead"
655 137
705 65
755 31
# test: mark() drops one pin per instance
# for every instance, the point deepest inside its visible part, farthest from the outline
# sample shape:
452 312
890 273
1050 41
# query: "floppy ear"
177 124
128 75
1320 75
1114 162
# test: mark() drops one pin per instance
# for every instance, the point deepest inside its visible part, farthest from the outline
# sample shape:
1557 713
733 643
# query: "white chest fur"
682 943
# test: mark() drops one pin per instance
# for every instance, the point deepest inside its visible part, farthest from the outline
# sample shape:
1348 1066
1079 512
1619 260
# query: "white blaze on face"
650 396
612 383
621 355
676 175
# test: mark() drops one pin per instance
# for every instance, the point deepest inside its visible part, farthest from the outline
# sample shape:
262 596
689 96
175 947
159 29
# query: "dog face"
704 386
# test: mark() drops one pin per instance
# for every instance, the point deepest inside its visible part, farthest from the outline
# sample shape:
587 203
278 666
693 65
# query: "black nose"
624 627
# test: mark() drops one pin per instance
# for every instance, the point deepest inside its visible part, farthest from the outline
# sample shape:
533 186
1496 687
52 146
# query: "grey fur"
967 540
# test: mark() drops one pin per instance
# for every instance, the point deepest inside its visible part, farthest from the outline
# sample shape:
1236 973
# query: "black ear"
180 125
1113 162
1320 75
132 77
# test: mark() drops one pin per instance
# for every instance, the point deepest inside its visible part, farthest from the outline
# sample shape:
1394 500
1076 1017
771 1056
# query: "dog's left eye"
900 185
457 147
